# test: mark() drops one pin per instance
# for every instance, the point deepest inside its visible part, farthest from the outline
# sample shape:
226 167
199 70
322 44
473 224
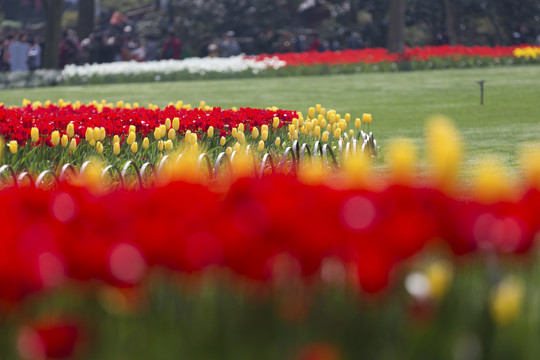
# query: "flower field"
200 232
305 63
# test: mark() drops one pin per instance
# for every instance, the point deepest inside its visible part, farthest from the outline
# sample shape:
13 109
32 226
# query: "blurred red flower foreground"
118 237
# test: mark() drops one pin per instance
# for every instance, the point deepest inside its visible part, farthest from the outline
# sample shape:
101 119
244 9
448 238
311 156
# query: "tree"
53 15
451 21
85 19
396 26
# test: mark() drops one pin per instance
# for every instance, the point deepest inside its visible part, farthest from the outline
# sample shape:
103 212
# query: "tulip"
171 134
163 130
234 133
440 276
241 138
264 128
131 138
275 123
260 147
160 145
264 135
347 117
337 133
402 159
342 124
55 138
325 136
176 124
202 104
116 148
168 123
222 141
311 112
241 127
168 145
116 139
157 133
34 134
278 141
210 131
13 145
366 118
317 132
236 146
357 123
103 134
255 133
132 129
99 147
322 123
134 147
72 146
89 134
64 141
506 300
145 143
228 150
70 130
193 138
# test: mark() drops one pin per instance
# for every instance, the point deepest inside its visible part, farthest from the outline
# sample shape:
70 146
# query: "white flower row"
193 65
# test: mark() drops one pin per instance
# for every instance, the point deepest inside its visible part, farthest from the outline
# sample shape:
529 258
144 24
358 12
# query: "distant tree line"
381 23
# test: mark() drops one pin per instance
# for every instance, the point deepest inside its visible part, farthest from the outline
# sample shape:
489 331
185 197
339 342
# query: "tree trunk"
396 26
53 15
85 20
451 22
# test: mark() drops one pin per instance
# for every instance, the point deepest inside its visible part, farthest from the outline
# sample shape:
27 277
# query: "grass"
400 102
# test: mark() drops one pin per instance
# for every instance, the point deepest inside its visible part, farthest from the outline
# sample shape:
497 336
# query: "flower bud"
325 136
222 141
357 123
210 131
103 134
171 134
13 146
132 129
255 133
278 141
311 112
131 138
116 139
228 150
72 146
55 138
160 145
116 148
176 124
366 118
167 123
234 133
134 147
241 127
34 134
145 143
264 135
99 147
275 123
163 130
157 133
342 124
264 128
89 134
70 130
64 141
241 138
260 147
168 145
337 133
347 117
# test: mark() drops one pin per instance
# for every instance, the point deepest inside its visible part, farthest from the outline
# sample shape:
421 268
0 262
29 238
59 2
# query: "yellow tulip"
264 128
323 111
402 159
317 132
160 145
357 123
99 147
351 133
228 150
176 124
222 141
260 147
255 133
103 133
163 130
193 138
278 141
241 127
275 123
241 138
264 135
322 123
64 141
234 133
116 148
342 124
72 146
366 118
325 136
70 130
440 274
236 146
145 143
13 146
168 145
55 138
34 134
157 133
134 147
172 134
311 112
202 104
116 139
347 117
337 133
210 131
92 142
89 134
506 300
132 128
131 138
168 123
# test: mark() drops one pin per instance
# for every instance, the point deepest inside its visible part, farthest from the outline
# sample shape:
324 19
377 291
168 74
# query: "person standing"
18 52
34 55
172 49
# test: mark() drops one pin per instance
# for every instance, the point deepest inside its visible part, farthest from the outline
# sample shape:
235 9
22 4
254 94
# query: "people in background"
172 49
34 55
18 53
229 46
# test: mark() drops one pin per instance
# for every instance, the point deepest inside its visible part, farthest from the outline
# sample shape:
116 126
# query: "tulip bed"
305 63
327 260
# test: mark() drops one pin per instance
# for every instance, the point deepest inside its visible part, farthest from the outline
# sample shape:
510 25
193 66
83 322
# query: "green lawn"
399 102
